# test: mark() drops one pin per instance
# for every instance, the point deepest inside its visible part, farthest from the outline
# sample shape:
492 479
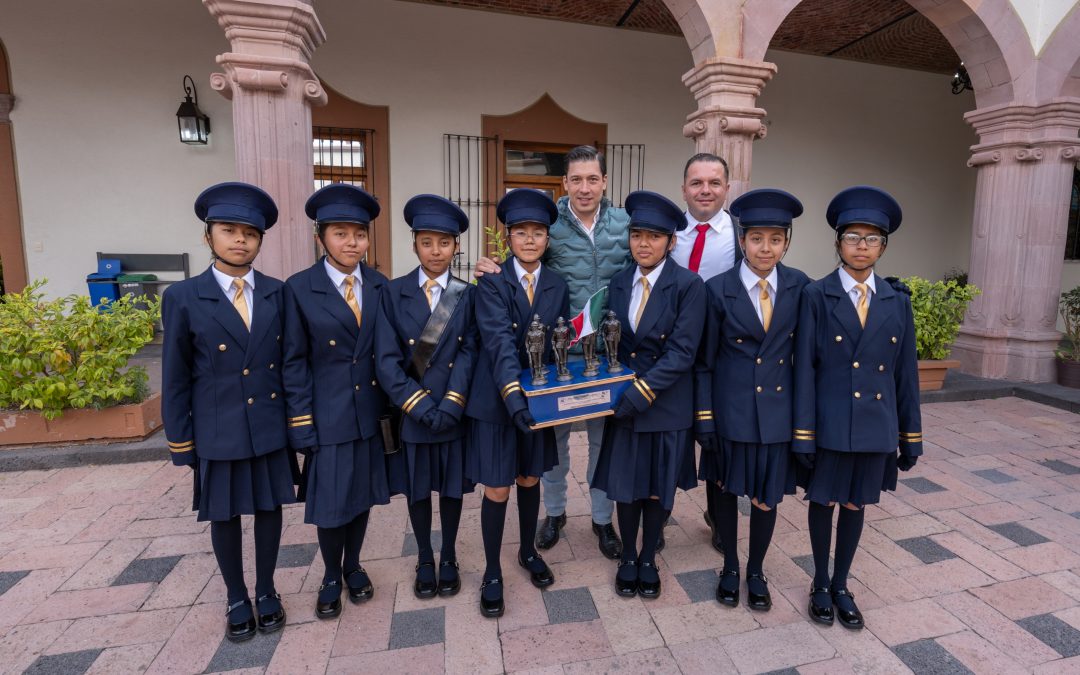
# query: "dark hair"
586 153
707 157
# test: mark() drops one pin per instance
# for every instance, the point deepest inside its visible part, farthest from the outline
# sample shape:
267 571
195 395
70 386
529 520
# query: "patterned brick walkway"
972 566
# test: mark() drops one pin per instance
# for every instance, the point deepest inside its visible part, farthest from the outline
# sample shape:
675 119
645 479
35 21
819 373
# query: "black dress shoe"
610 544
360 588
425 586
539 573
243 629
548 535
449 579
626 585
847 613
274 618
649 590
714 535
761 602
725 596
821 613
492 608
328 604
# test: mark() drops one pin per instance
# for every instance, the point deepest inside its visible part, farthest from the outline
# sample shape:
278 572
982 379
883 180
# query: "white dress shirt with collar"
227 287
848 282
442 280
520 273
587 230
750 282
718 256
337 278
637 290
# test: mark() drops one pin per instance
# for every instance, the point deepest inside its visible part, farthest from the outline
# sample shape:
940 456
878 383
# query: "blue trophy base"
579 398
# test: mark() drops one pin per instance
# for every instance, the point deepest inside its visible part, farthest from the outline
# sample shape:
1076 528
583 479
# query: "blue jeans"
555 480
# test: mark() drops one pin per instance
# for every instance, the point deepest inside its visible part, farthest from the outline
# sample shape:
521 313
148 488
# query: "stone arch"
12 252
988 36
1059 62
696 25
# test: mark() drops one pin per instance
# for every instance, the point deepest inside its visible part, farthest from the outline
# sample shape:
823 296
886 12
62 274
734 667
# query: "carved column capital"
1025 133
7 102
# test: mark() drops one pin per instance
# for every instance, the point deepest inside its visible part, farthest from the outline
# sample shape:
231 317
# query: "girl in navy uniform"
744 393
856 392
223 401
648 445
503 450
425 343
333 398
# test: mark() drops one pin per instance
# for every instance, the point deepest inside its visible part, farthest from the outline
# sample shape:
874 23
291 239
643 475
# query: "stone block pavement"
973 565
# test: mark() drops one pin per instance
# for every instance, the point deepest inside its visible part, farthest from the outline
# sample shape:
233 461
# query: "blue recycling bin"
103 284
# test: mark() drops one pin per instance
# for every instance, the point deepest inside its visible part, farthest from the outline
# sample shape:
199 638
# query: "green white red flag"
591 315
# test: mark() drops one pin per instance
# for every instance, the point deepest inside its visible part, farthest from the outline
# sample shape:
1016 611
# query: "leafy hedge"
939 308
1069 307
66 353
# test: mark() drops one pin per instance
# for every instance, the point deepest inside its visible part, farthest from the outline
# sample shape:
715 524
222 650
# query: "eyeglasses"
525 236
872 240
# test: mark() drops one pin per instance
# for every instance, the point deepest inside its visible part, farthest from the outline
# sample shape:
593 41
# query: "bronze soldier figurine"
560 345
534 345
588 349
611 330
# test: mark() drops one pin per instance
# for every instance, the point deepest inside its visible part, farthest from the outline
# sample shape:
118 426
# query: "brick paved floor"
973 565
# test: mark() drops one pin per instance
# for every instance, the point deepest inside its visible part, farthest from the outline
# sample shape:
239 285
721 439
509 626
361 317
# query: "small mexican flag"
589 320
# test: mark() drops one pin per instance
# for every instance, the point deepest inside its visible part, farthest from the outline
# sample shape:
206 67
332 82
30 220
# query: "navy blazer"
331 393
403 312
503 314
744 378
662 351
856 389
222 395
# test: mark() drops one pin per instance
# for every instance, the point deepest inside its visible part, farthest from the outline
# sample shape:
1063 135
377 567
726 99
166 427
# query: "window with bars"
342 155
1072 240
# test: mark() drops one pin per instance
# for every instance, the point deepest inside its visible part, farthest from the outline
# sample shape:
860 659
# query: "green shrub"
1069 306
939 308
66 353
498 244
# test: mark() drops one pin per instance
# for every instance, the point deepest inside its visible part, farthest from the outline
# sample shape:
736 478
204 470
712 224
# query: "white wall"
100 163
1041 18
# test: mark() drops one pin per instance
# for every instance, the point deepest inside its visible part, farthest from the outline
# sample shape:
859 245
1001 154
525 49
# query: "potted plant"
1068 356
939 308
64 372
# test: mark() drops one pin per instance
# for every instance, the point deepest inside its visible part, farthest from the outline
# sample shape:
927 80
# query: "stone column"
1025 159
271 85
727 120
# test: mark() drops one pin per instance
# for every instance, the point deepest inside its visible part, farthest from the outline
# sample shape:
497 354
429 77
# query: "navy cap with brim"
766 207
526 205
864 205
653 211
236 202
432 213
342 203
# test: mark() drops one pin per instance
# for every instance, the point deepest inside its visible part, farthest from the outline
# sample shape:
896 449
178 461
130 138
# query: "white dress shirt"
337 278
636 291
442 280
226 283
718 255
587 230
849 282
520 272
750 282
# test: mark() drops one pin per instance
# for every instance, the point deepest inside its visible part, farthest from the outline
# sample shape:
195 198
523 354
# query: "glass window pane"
534 163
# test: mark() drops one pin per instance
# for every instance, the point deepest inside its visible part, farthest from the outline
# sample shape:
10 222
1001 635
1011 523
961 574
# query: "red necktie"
699 248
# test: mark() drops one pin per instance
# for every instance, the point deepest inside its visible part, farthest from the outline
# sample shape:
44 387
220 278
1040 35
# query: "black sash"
436 325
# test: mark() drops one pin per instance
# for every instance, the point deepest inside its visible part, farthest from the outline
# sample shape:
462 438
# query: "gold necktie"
529 289
240 302
350 297
766 304
429 287
863 308
644 299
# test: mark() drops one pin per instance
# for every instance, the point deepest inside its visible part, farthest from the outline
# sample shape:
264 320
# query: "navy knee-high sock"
528 499
629 515
819 519
849 525
727 507
267 543
420 516
227 539
331 546
762 524
354 541
492 524
449 518
653 517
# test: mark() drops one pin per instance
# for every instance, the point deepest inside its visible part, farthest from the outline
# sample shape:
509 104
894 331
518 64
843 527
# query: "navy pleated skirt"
849 477
636 466
761 471
343 481
225 489
419 469
497 454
